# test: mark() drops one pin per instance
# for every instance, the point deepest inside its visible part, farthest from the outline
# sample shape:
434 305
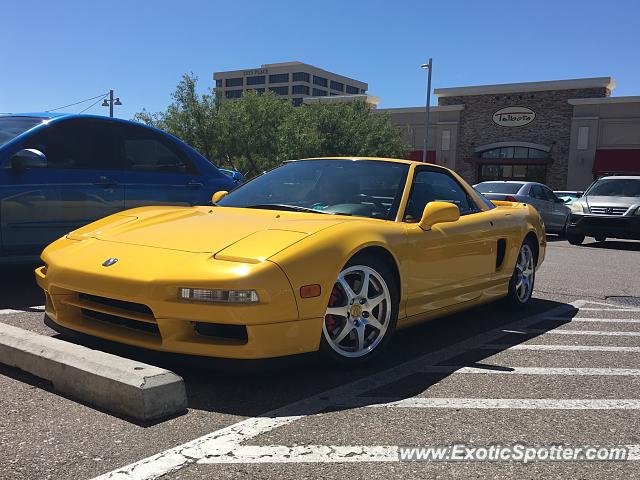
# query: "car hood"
608 201
255 234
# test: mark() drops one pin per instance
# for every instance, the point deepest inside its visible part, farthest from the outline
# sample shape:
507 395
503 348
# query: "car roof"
621 177
378 159
60 116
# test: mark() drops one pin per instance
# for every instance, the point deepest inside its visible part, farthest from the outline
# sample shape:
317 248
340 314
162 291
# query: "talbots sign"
514 116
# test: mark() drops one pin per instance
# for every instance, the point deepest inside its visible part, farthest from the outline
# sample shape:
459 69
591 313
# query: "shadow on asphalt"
252 388
630 246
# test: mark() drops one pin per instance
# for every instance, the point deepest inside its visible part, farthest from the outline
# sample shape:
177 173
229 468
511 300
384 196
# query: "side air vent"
502 248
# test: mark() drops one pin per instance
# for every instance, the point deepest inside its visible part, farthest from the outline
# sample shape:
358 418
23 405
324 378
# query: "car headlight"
577 207
218 296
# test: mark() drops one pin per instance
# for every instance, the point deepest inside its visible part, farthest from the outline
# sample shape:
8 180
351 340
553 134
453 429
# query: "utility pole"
428 67
111 102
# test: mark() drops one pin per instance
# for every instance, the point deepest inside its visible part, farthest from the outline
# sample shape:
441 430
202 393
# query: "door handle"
104 182
194 184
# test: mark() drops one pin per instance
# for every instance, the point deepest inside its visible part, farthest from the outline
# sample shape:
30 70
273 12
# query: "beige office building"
291 80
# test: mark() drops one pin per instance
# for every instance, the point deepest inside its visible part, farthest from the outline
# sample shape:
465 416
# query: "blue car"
238 178
61 171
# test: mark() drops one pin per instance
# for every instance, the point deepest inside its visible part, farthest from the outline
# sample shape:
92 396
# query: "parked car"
610 208
553 211
317 254
60 171
568 196
238 178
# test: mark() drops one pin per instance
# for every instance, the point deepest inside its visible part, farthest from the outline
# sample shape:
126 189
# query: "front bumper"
612 226
273 327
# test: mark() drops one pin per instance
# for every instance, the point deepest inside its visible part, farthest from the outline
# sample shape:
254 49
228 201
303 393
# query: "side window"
549 194
147 151
78 144
537 192
430 186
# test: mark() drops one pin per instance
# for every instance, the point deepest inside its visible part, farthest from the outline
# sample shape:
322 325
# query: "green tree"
258 131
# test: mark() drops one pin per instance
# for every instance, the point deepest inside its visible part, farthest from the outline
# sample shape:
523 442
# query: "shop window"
514 152
529 173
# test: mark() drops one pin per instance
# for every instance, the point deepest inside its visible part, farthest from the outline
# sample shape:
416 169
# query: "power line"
101 96
93 104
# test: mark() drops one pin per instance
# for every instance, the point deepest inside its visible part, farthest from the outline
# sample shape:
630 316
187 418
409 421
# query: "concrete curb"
115 384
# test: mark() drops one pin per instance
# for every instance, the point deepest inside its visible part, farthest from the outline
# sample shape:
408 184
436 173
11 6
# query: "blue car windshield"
11 127
364 188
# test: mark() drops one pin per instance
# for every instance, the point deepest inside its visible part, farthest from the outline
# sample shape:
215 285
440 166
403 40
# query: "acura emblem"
109 261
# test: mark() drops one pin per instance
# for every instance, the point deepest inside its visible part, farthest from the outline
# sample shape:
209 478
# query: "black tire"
600 238
574 238
514 297
328 352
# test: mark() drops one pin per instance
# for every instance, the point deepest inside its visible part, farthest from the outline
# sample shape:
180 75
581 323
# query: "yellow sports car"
328 254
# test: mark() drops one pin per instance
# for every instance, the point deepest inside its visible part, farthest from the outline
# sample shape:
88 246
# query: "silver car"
553 210
609 208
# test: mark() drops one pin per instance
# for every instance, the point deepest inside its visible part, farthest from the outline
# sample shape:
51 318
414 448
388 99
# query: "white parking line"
227 440
577 332
9 311
335 453
534 371
621 309
584 348
596 320
504 403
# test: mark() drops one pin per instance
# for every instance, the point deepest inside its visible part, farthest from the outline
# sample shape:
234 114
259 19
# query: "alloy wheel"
525 271
359 312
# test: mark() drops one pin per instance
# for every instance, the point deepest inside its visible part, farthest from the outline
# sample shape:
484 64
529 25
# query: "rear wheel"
523 278
574 238
362 312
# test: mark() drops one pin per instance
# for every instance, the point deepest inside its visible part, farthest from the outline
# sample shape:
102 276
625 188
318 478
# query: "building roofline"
571 84
361 84
435 108
604 100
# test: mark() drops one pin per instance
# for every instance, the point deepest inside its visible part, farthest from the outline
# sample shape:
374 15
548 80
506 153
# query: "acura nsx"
322 254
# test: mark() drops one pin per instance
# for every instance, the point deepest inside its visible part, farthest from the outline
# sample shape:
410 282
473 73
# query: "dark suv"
610 208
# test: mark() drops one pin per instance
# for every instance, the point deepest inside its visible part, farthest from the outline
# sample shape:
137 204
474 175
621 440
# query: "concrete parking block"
118 385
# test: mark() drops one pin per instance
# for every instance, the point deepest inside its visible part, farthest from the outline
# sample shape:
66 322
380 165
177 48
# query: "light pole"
111 102
428 67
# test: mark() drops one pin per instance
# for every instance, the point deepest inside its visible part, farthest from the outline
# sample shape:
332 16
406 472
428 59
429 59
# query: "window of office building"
319 93
257 80
323 82
337 85
233 93
259 90
280 90
218 83
352 90
301 77
297 102
279 78
233 82
300 90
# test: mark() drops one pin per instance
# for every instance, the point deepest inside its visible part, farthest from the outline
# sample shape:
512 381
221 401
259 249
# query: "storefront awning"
416 155
617 161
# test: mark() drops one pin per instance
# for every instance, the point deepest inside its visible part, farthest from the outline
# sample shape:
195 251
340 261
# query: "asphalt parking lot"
564 371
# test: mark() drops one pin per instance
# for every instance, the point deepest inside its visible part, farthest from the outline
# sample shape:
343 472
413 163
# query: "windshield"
499 187
365 188
11 127
615 187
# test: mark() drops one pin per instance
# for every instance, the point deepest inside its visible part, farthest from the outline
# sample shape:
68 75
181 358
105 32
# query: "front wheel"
574 238
362 313
523 278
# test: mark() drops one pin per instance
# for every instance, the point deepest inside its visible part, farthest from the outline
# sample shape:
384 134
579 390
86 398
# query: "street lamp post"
111 102
428 67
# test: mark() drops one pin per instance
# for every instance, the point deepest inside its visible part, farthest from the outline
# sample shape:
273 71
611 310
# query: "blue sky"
58 52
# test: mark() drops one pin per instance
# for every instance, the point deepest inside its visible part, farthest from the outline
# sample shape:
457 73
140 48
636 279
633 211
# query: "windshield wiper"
293 208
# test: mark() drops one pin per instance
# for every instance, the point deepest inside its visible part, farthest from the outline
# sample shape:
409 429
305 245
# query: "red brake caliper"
331 321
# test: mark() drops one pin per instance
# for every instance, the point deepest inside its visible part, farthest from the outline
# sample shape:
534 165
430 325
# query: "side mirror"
438 212
28 158
219 195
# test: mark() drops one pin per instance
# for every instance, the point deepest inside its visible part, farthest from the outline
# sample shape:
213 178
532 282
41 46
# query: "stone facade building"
562 133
